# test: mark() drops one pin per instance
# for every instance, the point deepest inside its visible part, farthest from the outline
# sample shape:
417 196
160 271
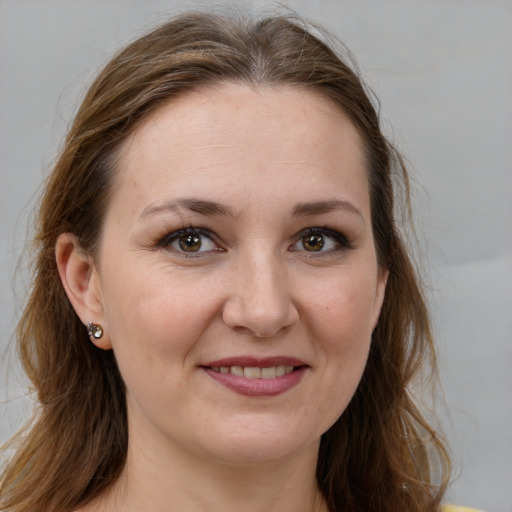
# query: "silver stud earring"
94 331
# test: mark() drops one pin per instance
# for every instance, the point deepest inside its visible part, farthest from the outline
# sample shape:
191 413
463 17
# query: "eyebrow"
206 207
195 205
303 209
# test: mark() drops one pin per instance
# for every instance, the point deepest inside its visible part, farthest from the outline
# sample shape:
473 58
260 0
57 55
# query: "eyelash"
174 236
340 241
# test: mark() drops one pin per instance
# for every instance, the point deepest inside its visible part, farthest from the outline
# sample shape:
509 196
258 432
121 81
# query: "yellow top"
453 508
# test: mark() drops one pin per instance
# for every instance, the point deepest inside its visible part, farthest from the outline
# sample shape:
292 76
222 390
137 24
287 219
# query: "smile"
256 377
255 372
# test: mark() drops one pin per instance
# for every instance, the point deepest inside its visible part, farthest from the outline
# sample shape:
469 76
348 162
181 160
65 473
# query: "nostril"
257 333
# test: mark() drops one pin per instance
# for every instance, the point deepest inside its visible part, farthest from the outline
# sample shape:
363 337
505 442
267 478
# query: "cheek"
158 314
341 322
344 310
344 338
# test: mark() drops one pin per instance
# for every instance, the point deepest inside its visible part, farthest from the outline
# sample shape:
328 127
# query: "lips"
251 376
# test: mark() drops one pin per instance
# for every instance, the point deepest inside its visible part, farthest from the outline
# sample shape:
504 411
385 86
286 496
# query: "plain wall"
443 73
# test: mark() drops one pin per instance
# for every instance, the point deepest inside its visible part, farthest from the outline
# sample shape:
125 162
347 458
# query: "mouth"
255 372
257 377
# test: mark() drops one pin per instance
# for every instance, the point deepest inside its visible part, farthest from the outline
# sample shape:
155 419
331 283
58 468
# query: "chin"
272 442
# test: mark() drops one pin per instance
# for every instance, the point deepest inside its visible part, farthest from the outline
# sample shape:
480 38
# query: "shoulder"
454 508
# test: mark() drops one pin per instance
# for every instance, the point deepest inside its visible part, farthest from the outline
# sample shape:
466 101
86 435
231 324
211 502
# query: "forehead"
260 138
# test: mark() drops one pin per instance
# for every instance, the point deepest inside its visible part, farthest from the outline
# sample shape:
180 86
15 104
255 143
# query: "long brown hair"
378 455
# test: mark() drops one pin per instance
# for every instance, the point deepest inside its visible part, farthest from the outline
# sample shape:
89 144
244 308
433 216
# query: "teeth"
237 370
254 372
280 371
268 373
251 372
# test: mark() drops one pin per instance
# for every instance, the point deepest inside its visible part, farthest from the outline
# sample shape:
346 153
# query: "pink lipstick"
257 377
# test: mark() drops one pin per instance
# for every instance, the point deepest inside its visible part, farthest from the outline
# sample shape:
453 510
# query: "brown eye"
313 242
189 243
320 241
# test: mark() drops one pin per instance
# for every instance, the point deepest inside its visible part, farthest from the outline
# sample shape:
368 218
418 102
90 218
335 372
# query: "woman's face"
237 272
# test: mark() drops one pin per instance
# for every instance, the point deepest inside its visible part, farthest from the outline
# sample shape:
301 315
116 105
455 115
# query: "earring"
94 331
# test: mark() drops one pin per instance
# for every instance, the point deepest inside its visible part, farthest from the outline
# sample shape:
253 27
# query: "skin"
254 288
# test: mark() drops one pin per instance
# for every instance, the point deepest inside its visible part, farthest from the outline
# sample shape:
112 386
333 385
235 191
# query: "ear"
80 279
380 292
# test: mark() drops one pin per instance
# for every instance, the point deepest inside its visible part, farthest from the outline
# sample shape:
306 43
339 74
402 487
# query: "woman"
223 314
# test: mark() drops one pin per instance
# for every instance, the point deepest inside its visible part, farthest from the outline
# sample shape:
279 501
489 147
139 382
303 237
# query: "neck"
172 480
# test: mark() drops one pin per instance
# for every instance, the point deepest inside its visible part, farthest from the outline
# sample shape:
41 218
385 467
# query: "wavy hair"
381 452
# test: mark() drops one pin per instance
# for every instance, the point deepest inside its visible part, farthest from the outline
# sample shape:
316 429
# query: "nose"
260 302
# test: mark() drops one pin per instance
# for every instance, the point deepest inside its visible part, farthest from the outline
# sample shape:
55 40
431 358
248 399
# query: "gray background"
443 72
